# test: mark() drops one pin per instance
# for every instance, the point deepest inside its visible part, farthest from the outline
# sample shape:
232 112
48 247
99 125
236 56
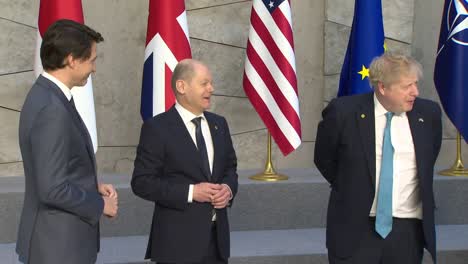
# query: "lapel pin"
421 120
363 116
216 127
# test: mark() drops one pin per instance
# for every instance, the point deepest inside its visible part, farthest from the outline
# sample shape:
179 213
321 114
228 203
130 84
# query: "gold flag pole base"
269 173
457 169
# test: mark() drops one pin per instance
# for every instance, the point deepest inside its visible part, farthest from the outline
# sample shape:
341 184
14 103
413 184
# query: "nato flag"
365 43
450 73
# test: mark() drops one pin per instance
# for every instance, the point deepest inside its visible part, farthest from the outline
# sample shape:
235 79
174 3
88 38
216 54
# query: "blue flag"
365 43
451 72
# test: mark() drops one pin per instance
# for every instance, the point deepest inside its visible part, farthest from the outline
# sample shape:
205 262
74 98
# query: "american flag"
167 42
49 12
270 72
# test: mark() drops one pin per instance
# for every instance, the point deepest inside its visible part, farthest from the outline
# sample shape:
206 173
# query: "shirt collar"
379 110
185 114
66 91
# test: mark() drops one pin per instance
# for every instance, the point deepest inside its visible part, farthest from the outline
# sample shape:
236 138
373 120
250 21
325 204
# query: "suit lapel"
217 144
417 126
75 117
365 119
179 129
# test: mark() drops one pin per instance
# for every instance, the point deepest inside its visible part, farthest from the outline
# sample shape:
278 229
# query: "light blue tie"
383 222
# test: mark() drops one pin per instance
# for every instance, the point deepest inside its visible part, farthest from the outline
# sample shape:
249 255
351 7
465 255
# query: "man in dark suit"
63 201
377 151
186 165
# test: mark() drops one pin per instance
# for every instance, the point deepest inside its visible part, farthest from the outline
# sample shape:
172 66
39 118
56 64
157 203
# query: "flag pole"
457 168
269 174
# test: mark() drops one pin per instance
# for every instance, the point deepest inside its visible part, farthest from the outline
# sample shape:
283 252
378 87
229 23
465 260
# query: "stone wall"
218 34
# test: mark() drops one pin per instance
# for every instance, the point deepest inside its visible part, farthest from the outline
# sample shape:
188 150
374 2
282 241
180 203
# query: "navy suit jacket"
62 206
167 163
345 155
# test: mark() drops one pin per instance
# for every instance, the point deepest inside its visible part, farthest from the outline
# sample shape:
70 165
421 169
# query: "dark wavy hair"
65 37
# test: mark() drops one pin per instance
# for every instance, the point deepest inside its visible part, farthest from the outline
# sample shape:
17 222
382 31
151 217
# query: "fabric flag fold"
450 74
270 72
365 43
49 12
167 43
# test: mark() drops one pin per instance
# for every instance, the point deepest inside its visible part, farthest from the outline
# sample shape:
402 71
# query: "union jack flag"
167 42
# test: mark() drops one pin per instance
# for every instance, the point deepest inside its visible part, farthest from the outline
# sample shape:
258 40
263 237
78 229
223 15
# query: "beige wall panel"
11 169
117 82
227 24
239 113
397 15
194 4
116 159
308 24
21 11
17 45
226 64
9 144
14 88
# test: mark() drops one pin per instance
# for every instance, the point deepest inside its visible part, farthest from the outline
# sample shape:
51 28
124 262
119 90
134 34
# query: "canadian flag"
49 12
167 43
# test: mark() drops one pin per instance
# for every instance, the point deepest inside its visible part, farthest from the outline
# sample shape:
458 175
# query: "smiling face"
400 95
82 68
194 94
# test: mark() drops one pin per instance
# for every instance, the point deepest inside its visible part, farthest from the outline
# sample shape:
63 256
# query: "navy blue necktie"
201 146
384 220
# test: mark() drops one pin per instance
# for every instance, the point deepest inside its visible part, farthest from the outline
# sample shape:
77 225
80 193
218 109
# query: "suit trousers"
404 245
212 253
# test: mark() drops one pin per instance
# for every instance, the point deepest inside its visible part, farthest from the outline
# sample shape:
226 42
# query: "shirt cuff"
230 191
190 193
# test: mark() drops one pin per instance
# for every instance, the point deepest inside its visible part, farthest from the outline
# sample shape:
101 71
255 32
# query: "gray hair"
388 68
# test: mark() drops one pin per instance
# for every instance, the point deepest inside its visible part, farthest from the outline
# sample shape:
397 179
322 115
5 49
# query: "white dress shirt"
187 117
406 201
66 91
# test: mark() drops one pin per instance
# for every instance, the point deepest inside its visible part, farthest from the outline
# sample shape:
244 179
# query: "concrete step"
293 246
299 203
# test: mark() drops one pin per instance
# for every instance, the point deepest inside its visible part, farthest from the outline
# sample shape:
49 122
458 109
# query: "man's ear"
381 88
70 61
180 86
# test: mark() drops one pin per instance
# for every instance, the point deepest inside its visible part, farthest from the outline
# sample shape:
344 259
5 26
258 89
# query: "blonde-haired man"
377 150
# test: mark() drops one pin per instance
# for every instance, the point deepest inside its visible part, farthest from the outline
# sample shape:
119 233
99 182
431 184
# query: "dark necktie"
384 220
201 146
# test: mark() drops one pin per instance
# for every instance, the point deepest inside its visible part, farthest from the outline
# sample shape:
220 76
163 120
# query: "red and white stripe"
168 41
270 73
49 12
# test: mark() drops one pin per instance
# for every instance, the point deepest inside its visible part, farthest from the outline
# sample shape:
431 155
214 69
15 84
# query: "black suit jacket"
62 207
167 163
345 155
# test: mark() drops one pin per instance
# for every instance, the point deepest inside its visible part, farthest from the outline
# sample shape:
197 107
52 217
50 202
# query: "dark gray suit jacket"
167 163
345 155
62 206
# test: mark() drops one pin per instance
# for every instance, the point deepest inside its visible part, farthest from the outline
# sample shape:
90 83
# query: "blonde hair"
389 68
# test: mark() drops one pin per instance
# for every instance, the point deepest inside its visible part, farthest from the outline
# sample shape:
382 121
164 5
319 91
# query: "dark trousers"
212 254
404 245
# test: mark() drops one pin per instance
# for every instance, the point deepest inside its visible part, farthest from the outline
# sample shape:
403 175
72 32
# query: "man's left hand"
107 190
222 197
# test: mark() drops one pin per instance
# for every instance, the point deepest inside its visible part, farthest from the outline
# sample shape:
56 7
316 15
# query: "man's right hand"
110 206
203 192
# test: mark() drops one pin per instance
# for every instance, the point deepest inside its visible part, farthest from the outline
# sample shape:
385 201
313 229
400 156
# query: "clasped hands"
218 195
109 195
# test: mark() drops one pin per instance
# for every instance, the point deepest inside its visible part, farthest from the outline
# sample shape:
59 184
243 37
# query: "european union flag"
450 73
365 43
